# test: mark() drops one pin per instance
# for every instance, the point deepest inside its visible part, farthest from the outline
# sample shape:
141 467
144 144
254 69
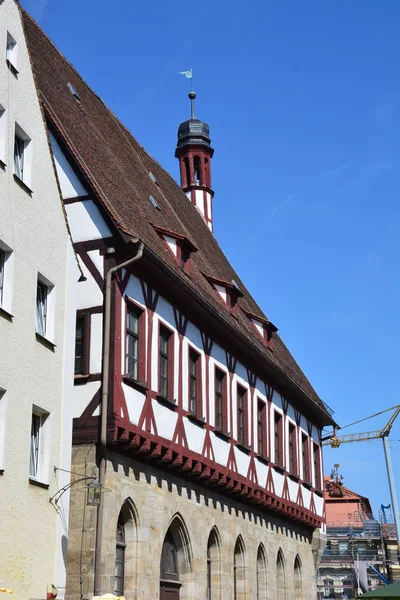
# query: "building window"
261 428
292 449
213 567
278 439
281 585
261 574
166 363
39 444
82 343
3 134
133 359
3 410
241 397
220 401
317 467
45 307
239 583
12 52
22 156
169 580
304 455
120 558
195 383
6 273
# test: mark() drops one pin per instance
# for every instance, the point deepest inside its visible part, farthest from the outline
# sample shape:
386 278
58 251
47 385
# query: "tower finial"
192 96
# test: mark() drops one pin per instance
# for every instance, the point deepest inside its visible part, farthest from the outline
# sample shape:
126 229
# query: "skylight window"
154 202
73 91
154 178
235 283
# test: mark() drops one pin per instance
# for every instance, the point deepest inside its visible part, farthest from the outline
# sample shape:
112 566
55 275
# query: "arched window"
175 565
187 170
280 577
261 574
197 170
297 578
213 567
125 573
239 583
120 558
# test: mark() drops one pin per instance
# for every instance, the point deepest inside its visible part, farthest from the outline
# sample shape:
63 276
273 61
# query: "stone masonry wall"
153 501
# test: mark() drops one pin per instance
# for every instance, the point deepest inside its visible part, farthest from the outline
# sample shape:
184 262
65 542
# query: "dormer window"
264 327
179 245
228 292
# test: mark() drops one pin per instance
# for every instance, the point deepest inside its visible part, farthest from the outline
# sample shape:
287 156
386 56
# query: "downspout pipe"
104 410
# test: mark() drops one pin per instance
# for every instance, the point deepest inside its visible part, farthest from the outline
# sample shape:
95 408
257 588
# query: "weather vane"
188 75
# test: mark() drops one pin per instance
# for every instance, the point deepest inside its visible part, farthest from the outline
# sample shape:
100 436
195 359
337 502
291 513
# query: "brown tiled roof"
118 168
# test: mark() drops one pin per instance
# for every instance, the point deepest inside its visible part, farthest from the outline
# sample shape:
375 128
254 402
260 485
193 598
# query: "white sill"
45 341
38 482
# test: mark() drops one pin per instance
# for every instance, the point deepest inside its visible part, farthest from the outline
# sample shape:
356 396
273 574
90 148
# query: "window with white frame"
3 410
12 51
22 155
3 134
6 276
39 444
45 300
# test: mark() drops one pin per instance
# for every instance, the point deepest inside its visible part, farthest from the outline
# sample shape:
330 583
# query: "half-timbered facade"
198 418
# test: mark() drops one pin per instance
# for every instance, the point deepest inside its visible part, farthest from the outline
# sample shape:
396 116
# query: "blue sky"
303 103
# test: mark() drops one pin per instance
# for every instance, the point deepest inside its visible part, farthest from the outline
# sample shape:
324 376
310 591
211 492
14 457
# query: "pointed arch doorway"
169 571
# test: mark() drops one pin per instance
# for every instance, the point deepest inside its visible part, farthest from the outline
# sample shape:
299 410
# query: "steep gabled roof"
118 168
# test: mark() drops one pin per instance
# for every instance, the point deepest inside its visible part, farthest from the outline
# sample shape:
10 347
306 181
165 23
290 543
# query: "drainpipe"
104 410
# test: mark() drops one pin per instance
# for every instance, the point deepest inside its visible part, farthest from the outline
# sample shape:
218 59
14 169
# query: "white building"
38 273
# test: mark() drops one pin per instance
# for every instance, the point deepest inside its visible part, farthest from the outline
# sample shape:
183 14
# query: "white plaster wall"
86 222
33 226
96 341
70 185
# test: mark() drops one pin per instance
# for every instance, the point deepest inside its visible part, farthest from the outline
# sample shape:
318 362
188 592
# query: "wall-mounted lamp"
93 489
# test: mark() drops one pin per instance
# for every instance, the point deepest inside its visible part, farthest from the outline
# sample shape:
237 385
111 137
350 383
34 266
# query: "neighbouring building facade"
358 545
187 403
38 272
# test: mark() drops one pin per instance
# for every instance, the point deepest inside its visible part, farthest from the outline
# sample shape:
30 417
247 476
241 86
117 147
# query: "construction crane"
336 440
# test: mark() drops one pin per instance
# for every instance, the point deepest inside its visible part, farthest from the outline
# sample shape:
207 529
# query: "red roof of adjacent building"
343 506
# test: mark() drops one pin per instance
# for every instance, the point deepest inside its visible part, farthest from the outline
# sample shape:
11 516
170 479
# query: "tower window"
187 170
197 171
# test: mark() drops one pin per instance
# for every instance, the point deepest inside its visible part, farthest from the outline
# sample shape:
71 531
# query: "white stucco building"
37 267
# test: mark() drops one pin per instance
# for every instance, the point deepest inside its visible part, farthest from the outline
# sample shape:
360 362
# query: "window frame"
120 544
3 135
170 358
242 432
292 444
140 336
220 375
86 317
3 416
49 316
25 144
305 457
317 466
195 377
6 276
42 418
11 53
261 427
278 439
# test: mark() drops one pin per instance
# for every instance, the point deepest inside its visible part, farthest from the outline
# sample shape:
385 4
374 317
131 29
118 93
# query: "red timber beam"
148 447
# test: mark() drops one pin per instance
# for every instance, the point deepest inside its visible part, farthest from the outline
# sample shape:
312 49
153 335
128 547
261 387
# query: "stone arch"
239 570
214 569
298 587
126 550
261 573
281 587
177 536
